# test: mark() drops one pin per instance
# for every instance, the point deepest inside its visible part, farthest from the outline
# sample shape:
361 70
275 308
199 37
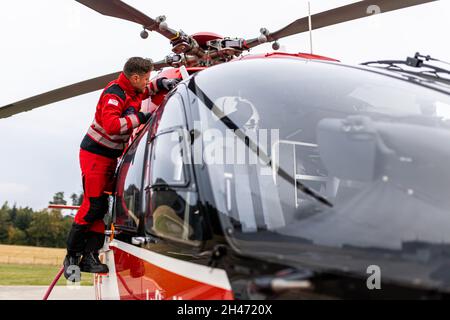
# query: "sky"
48 44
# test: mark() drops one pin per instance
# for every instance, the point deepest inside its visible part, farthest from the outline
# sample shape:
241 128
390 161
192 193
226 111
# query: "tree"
58 198
23 226
5 223
80 198
77 199
23 218
49 229
17 236
74 198
13 213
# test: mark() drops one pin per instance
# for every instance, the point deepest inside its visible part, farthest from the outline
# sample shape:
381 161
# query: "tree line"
45 228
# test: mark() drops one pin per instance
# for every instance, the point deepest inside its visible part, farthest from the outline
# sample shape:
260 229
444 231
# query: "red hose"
52 285
122 280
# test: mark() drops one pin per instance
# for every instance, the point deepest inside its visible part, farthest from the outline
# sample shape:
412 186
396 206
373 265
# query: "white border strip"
109 287
210 276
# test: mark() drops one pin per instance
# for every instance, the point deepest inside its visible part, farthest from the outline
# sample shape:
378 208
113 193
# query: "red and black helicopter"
253 190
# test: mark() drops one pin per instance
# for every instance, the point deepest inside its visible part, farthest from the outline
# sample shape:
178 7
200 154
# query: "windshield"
376 147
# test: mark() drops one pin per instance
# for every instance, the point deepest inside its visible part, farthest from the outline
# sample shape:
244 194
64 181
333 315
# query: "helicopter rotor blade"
331 17
121 10
64 93
56 95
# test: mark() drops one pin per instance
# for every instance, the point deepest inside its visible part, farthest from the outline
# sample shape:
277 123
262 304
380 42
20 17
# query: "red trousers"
98 182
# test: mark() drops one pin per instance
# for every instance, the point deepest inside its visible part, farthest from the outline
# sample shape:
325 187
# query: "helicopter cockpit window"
442 110
167 160
374 146
173 115
173 212
238 111
129 186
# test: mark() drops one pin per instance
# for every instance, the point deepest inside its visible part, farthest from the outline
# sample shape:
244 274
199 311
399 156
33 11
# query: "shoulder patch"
114 102
116 90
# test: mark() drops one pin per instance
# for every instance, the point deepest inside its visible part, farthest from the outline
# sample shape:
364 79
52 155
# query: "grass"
35 275
33 266
31 255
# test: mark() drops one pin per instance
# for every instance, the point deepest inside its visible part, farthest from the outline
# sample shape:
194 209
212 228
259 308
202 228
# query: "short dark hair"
137 65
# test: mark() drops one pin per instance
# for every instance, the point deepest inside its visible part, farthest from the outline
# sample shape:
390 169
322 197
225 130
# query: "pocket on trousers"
97 208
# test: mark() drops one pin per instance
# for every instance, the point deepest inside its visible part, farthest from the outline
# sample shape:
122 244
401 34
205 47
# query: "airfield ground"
38 292
26 273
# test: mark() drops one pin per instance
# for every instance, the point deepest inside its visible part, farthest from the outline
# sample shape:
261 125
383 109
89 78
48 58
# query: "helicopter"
238 190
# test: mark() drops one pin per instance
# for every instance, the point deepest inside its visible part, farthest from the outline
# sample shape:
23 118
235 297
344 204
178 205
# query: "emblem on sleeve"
113 102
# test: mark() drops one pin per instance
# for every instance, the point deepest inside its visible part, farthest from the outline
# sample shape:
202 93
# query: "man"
117 115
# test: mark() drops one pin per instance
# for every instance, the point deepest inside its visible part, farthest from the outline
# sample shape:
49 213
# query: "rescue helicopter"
333 186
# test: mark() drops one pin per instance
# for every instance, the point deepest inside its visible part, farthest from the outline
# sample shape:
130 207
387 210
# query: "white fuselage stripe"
109 286
210 276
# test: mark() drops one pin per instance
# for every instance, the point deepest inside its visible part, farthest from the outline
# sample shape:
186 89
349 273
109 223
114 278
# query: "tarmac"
38 292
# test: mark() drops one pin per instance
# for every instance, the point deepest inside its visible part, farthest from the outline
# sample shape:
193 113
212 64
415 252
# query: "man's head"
137 70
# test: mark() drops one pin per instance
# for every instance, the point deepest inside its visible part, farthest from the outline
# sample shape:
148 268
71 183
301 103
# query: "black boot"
76 240
94 241
92 264
71 268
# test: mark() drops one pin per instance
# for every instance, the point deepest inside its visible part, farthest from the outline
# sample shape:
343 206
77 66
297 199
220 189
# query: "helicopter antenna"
310 27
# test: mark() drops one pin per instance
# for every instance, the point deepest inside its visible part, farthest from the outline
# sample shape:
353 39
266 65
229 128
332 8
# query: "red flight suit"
117 115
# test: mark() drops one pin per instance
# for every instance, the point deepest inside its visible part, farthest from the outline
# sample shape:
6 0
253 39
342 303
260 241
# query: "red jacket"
116 116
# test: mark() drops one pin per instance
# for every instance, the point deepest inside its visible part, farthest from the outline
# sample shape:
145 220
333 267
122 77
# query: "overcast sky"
47 44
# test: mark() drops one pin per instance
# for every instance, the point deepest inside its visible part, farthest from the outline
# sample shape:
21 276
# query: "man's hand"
143 117
169 84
